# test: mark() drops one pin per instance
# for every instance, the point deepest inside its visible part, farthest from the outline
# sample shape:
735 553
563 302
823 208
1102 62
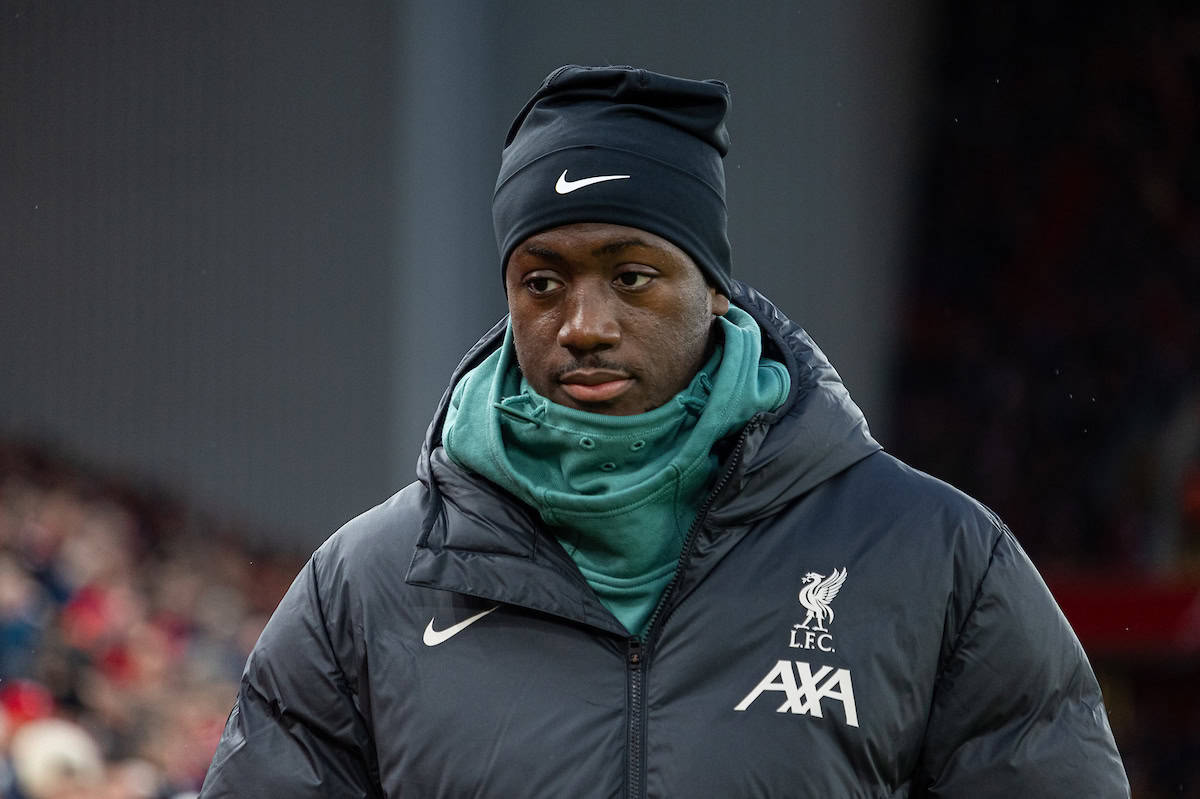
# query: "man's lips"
595 385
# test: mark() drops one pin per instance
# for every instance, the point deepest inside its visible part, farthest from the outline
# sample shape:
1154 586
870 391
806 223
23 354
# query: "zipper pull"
635 653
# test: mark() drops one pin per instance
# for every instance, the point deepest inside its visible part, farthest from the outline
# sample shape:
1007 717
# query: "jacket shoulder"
931 506
382 535
942 538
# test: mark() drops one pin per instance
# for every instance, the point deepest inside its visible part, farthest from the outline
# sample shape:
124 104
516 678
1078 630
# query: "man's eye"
541 285
633 280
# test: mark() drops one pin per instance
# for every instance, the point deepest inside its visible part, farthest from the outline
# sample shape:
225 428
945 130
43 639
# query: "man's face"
607 318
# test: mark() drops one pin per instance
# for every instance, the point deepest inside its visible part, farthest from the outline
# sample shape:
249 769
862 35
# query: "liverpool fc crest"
815 596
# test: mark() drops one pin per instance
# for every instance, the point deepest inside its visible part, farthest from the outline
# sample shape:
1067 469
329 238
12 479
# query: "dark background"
242 246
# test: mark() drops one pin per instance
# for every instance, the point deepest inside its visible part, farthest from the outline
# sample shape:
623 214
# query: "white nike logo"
565 186
434 637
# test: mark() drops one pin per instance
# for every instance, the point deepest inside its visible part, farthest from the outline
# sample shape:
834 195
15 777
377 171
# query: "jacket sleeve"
295 729
1017 710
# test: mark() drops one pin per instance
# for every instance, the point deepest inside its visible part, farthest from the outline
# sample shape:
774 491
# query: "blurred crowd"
125 620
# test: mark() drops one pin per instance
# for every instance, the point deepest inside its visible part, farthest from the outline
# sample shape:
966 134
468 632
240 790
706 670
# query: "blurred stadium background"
242 246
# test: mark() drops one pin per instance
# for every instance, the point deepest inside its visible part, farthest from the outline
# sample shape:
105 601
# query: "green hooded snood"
619 492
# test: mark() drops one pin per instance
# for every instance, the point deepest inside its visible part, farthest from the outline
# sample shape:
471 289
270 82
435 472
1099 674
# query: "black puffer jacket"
840 625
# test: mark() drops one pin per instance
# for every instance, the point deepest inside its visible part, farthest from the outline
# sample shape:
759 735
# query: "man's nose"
589 319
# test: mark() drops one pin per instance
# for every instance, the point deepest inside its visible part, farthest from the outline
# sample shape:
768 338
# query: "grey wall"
195 212
244 244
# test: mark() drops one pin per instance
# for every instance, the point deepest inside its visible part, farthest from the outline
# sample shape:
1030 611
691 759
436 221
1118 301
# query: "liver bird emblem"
816 595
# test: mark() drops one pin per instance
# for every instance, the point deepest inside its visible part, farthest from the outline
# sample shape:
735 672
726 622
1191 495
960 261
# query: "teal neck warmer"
619 492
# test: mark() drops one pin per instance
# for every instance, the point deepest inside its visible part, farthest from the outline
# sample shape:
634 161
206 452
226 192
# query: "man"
653 549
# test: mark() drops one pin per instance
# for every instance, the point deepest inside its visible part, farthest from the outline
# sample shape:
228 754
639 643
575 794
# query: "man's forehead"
598 239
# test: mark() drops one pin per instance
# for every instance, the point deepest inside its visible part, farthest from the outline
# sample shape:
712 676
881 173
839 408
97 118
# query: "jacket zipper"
637 651
636 732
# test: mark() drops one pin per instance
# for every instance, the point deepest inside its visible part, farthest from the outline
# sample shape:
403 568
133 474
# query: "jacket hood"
816 433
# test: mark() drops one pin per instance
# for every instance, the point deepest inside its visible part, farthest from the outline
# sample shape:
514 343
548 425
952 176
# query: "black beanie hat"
624 146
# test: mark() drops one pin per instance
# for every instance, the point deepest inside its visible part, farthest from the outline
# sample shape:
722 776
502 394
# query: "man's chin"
623 406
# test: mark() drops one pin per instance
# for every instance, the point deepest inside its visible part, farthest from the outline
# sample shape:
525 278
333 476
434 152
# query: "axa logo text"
804 689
